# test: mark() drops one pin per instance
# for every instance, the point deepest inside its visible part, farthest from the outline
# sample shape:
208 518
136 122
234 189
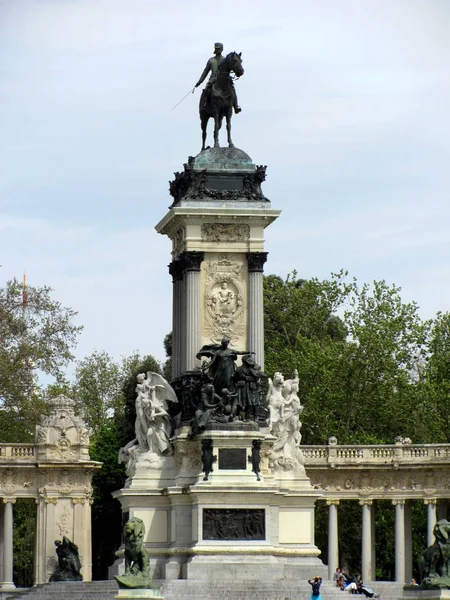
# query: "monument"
215 471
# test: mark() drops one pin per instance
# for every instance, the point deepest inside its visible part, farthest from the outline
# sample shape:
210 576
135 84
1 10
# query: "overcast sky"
346 102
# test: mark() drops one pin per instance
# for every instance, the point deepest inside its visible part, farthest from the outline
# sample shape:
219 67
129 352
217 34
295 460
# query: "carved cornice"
256 261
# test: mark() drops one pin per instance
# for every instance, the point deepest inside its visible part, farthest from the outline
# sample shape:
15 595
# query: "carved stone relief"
225 232
63 522
224 299
178 241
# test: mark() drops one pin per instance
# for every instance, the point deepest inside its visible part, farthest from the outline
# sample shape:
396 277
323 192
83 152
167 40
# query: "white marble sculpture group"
284 421
153 423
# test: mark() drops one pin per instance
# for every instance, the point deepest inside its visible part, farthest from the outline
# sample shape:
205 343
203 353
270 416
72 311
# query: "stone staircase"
182 589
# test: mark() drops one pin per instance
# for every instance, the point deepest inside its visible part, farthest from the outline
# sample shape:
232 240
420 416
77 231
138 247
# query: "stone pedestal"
230 523
248 529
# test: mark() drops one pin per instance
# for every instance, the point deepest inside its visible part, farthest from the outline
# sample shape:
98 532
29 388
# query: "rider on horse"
213 66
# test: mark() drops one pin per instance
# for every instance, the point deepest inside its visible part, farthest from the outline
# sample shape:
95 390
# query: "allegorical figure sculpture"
69 564
284 421
153 423
248 380
137 569
219 96
434 562
209 404
222 366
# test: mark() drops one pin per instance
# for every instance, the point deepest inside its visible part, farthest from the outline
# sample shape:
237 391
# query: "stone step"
217 590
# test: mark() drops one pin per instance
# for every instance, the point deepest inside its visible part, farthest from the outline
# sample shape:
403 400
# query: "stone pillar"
373 576
366 550
399 540
2 512
191 262
255 305
333 540
431 504
8 583
408 543
175 270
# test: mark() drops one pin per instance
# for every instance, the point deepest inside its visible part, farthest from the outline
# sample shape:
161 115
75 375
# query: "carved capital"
400 501
430 501
366 502
9 500
333 501
81 500
256 261
51 500
191 261
176 270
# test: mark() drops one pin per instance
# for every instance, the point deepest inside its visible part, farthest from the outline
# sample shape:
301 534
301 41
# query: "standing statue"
222 366
219 96
69 564
153 423
284 421
434 562
248 382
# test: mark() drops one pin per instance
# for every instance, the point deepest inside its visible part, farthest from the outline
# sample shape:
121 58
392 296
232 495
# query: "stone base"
414 591
254 568
138 594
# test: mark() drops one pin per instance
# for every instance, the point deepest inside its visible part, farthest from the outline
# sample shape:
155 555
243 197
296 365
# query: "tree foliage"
37 335
359 352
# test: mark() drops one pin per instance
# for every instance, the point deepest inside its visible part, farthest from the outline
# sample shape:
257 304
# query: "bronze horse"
217 101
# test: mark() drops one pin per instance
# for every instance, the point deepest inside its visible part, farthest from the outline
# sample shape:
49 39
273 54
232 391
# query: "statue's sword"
184 98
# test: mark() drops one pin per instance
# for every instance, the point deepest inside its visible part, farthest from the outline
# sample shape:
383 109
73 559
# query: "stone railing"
17 451
321 456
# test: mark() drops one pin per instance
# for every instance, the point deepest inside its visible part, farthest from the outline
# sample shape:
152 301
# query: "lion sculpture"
434 562
137 571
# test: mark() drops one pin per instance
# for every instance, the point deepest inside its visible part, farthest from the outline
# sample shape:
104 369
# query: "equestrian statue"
219 98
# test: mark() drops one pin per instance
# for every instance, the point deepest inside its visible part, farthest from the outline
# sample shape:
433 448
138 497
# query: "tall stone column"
366 550
255 306
399 540
333 540
431 505
374 552
408 543
175 269
2 509
191 262
8 582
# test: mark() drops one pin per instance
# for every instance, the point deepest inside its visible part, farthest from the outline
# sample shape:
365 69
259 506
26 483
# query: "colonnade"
436 509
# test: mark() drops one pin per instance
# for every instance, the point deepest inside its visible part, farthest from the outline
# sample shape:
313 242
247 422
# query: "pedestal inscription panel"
233 458
234 524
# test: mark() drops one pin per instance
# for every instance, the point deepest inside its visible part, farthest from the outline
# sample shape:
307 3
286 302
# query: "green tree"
106 511
37 335
98 388
358 352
